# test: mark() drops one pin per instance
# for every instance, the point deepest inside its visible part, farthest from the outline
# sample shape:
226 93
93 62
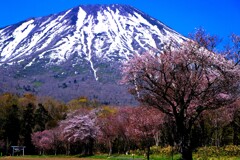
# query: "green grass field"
114 157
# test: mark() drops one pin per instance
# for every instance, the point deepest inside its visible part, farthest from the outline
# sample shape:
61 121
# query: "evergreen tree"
27 127
41 118
12 125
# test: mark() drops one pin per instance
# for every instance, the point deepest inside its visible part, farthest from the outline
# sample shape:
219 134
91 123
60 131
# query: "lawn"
101 157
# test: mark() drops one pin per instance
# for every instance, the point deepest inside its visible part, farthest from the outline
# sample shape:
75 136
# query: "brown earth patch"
52 158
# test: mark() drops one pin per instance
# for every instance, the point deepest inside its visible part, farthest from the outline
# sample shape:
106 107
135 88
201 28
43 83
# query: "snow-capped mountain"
86 41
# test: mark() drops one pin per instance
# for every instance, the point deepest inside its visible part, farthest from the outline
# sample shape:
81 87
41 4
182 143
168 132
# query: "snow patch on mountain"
17 35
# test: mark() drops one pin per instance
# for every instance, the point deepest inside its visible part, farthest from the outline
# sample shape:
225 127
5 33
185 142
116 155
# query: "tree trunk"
184 139
157 138
89 147
110 148
186 153
148 152
185 147
235 135
67 149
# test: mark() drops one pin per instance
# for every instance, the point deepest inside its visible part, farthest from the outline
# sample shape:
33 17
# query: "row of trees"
104 129
51 127
121 130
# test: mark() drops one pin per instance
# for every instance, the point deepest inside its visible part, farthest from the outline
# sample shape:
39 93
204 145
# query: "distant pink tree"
108 129
58 138
82 129
43 140
122 119
144 124
183 82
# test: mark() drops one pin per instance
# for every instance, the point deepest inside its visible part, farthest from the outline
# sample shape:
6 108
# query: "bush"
213 151
232 150
138 152
169 150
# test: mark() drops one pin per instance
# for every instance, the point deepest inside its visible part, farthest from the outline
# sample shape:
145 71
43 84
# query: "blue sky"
220 17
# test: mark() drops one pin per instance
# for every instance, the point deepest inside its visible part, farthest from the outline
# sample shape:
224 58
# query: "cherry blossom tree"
108 127
43 140
122 121
182 83
58 138
144 124
130 126
81 129
113 129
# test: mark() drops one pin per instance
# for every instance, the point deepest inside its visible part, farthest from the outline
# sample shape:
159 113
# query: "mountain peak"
88 40
115 20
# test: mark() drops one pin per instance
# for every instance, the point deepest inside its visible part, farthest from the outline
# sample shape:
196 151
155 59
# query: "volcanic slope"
78 52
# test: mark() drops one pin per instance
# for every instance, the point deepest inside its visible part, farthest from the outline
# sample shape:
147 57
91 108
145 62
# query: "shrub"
169 150
213 151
